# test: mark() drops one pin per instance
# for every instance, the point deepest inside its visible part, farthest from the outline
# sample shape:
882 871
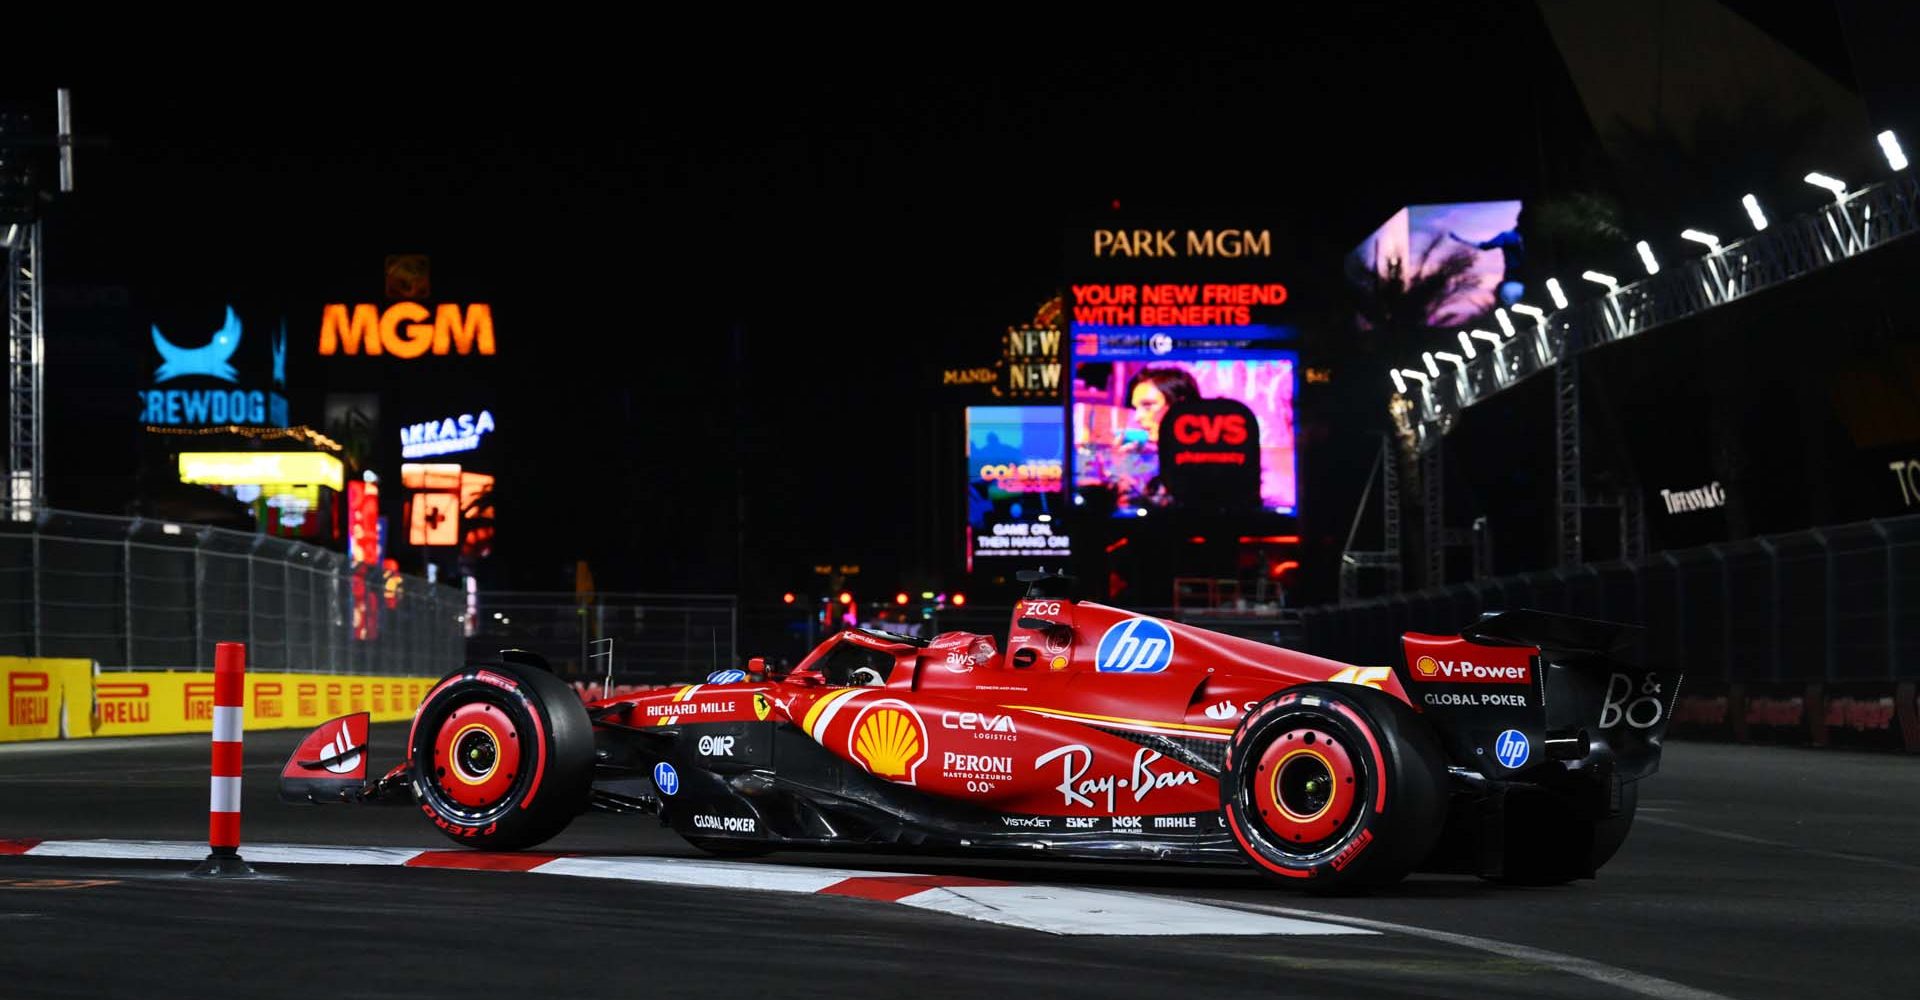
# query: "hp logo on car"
726 677
1511 748
1135 646
666 778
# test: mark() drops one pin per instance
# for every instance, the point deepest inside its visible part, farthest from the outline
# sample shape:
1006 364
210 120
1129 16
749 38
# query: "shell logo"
1427 666
889 740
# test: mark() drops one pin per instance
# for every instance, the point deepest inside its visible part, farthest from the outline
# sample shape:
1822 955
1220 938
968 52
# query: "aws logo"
889 740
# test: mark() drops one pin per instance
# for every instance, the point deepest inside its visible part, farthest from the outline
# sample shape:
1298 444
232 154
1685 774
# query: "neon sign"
403 330
444 437
212 360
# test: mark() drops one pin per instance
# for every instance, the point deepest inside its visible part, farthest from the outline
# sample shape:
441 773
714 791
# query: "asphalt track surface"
1753 873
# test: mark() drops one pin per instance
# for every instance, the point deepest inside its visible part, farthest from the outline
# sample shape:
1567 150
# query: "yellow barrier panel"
46 698
147 702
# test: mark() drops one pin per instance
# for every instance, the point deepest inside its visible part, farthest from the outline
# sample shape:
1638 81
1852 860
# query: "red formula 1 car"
1511 750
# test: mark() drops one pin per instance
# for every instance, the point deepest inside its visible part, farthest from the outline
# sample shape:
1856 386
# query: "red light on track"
1269 539
959 600
846 597
787 598
1197 540
900 598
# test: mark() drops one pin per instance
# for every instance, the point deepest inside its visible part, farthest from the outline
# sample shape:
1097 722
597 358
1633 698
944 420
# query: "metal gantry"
1568 501
26 357
1386 467
1852 224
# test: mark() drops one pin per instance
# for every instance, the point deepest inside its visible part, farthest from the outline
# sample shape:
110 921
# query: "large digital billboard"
1444 265
1016 457
1185 424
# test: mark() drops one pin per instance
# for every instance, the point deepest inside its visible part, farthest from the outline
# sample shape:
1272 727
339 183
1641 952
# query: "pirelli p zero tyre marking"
1333 787
501 756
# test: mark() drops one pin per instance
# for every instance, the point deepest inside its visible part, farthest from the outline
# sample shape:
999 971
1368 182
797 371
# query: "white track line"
1586 968
1052 909
1743 838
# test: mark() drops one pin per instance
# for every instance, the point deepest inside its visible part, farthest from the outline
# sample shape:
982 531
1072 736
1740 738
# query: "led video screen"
1449 264
1185 432
1016 457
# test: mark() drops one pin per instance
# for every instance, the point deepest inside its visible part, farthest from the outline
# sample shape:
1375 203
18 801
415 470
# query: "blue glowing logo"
666 778
212 360
1511 748
280 356
1135 646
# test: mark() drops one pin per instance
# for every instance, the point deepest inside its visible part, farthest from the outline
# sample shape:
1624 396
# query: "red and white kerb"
229 693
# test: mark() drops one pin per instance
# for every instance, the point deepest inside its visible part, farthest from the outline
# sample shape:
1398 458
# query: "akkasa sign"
444 437
198 385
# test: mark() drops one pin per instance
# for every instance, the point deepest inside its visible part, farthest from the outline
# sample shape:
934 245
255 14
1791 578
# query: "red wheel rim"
476 755
1304 787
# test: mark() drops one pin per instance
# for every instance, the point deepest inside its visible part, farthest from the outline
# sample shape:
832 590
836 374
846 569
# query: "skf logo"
198 701
266 700
1427 666
308 695
403 331
1224 428
889 740
124 702
29 699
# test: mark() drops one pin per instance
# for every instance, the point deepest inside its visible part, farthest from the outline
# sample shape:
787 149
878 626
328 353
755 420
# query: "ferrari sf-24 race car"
1512 750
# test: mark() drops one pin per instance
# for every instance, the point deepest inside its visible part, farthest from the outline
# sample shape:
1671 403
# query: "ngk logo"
29 699
1467 672
125 702
199 701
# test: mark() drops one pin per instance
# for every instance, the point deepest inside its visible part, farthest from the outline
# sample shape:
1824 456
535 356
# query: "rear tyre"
1546 841
501 756
1334 788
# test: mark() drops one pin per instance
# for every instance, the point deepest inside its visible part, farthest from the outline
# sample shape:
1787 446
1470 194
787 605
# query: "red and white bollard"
223 807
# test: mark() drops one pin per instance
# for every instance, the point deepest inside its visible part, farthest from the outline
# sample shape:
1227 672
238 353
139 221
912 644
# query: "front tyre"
501 756
1334 787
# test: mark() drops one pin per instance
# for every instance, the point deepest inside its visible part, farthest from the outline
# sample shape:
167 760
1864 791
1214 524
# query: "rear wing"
1573 689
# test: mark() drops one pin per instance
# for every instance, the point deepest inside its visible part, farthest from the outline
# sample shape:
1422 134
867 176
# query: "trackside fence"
133 593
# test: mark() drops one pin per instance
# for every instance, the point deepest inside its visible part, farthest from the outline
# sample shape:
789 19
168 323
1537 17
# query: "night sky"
726 271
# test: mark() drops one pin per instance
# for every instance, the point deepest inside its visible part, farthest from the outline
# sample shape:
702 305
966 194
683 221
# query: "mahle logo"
403 330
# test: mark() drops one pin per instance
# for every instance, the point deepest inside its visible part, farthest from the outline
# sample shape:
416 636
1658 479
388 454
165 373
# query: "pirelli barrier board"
65 699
